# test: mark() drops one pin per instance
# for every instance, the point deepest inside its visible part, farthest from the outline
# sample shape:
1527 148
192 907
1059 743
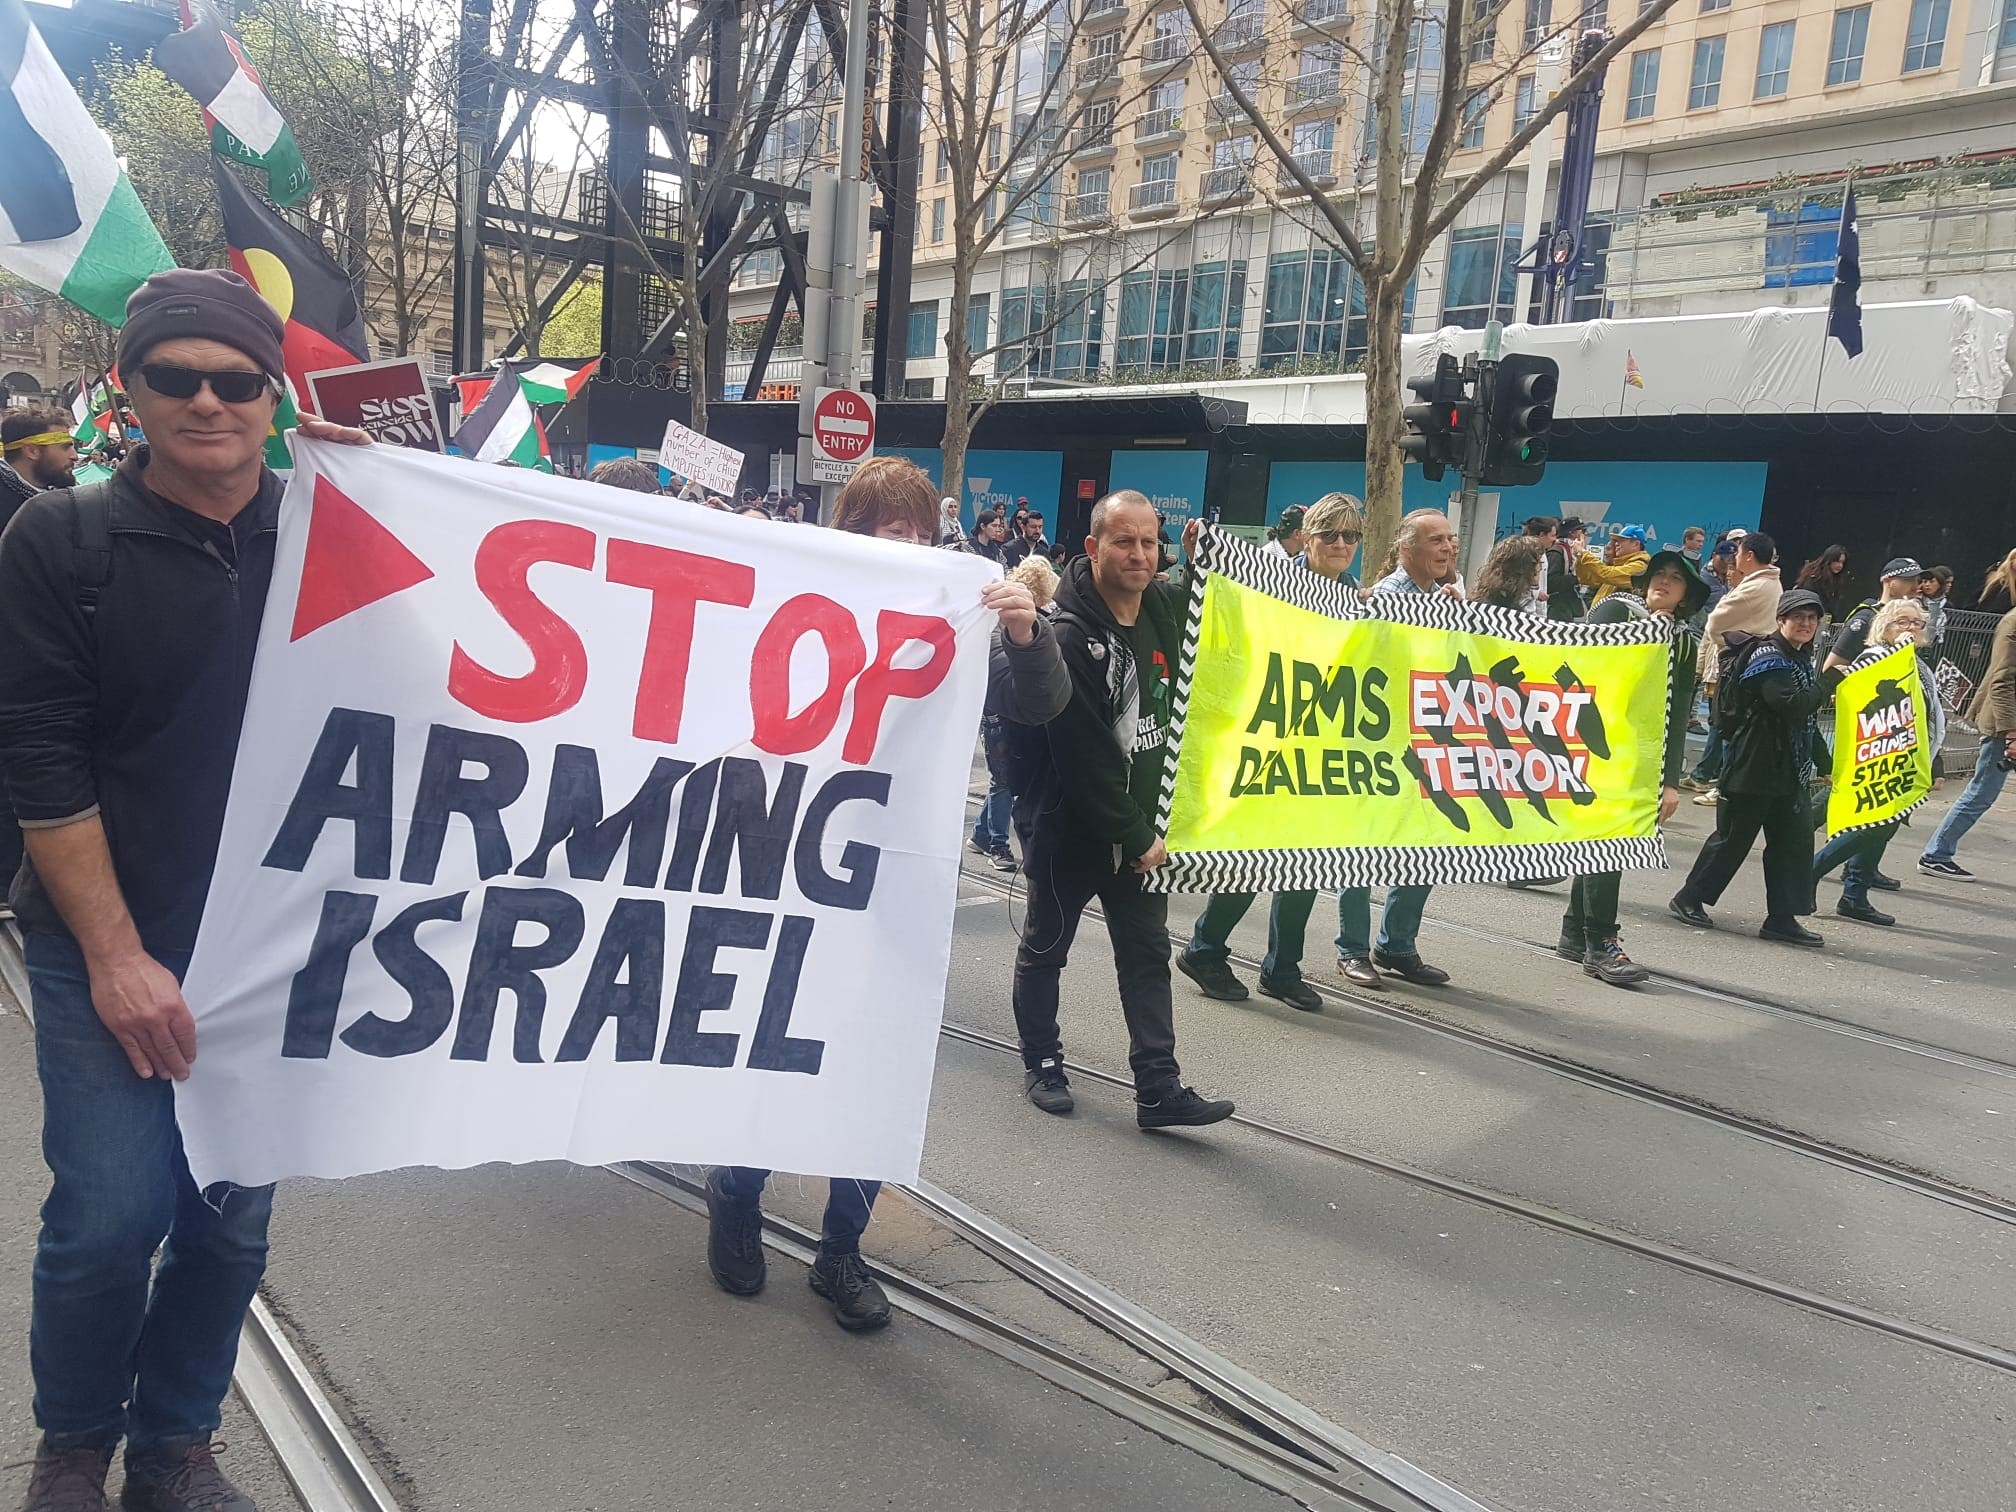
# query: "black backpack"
91 544
1730 710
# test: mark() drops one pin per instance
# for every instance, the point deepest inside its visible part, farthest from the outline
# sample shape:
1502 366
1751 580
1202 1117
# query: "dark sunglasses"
1332 537
230 386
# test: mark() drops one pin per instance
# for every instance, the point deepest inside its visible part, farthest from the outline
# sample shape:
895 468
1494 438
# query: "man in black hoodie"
1091 814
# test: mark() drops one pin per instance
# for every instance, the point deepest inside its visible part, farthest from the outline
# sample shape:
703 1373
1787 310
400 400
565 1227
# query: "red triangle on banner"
351 561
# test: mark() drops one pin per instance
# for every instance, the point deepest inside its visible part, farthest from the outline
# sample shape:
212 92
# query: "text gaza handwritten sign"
564 826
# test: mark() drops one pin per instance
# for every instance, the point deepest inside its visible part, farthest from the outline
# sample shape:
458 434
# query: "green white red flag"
206 59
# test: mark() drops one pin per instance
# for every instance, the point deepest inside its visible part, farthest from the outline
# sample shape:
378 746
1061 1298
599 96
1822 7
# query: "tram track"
1871 1167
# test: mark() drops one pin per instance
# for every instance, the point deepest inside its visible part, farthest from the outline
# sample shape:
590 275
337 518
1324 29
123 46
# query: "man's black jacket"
131 710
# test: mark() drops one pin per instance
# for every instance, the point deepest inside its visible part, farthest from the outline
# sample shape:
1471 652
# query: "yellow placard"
1882 751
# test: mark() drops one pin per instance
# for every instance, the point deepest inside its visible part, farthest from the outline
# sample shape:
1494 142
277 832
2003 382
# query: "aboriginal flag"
313 294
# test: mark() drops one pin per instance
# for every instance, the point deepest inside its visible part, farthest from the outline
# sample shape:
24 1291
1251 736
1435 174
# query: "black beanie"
203 302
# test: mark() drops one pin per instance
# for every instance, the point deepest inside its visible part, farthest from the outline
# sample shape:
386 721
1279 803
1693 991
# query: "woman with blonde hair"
1998 589
890 499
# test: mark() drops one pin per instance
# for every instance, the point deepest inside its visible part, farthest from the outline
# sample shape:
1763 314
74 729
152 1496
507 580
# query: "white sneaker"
1709 798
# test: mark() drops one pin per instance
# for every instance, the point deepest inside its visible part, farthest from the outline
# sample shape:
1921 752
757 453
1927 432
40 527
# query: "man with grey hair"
1089 813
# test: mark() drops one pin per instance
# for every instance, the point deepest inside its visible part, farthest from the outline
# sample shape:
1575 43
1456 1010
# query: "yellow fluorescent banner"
1882 750
1414 738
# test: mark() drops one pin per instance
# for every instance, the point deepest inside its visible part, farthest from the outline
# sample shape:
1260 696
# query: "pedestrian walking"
1426 547
1091 814
891 499
129 609
1770 696
1898 622
1993 713
1749 608
1332 531
1669 589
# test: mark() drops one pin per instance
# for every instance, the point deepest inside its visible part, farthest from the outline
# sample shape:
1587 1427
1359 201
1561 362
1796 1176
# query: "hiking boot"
1175 1107
68 1480
1215 977
1944 868
1048 1087
859 1303
1360 972
1860 908
734 1240
1687 911
1884 882
1607 962
1789 932
1573 944
1296 994
1411 968
180 1476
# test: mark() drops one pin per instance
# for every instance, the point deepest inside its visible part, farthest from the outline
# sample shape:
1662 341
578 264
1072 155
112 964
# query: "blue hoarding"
1173 480
995 479
1664 497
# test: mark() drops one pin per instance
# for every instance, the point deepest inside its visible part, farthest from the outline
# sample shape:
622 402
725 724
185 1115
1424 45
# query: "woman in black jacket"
1771 696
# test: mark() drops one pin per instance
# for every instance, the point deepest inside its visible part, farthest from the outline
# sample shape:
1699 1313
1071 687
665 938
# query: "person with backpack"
1331 531
1671 589
130 609
1770 695
1090 817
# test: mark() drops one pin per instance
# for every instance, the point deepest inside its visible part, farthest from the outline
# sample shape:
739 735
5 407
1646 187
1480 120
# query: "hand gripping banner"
1882 753
1325 741
571 823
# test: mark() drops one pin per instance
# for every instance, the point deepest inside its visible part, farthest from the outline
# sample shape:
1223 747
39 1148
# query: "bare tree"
1451 47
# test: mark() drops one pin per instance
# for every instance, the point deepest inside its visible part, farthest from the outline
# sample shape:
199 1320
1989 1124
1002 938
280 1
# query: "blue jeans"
1709 767
118 1343
1979 796
990 829
1860 852
1397 928
1287 923
848 1203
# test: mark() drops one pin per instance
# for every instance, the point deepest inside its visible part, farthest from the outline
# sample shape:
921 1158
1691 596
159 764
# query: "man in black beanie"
130 609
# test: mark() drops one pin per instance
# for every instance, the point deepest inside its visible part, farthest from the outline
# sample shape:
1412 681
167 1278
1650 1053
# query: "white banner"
709 463
566 827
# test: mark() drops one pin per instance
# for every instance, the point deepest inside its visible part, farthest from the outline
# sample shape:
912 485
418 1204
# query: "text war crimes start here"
685 829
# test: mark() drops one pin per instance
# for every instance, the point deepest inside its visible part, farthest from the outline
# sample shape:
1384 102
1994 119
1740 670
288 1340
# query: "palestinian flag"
503 427
309 288
554 382
95 411
245 125
286 416
69 219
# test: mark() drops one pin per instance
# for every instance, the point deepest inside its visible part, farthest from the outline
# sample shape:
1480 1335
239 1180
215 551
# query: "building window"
1925 42
976 322
944 162
1217 304
1704 88
1074 340
1482 283
1315 147
1846 46
1025 333
924 329
1801 246
1644 93
1483 30
1312 309
1539 21
2004 65
1713 5
1525 101
1475 110
1774 60
1153 304
993 148
1095 194
1586 298
938 220
1160 168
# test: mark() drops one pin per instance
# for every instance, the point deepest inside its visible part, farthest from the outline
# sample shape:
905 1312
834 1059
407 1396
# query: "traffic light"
1438 427
1522 414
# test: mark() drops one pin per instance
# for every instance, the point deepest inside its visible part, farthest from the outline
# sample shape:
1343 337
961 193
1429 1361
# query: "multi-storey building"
1163 238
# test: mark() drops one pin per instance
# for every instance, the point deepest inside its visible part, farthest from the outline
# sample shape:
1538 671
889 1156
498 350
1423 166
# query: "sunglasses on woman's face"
231 386
1332 537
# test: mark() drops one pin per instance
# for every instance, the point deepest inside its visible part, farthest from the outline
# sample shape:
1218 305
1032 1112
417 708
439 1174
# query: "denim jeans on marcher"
848 1205
120 1344
990 827
1398 926
1979 796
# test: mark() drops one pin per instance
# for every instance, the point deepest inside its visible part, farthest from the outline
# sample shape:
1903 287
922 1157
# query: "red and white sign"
390 399
691 455
569 826
843 433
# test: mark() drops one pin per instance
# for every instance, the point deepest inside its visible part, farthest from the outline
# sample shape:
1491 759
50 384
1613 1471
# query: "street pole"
1539 159
835 251
1480 369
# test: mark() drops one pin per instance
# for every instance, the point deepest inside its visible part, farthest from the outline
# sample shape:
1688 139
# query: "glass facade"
1481 280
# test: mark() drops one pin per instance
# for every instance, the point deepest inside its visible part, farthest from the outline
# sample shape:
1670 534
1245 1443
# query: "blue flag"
1844 307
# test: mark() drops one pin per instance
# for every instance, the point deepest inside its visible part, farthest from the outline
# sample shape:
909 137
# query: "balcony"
1159 126
1319 16
1090 73
1168 51
1102 14
1092 141
1222 185
1235 34
1091 209
1307 92
1223 113
1319 163
1153 199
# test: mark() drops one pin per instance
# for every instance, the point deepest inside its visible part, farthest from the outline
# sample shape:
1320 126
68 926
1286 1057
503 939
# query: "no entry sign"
843 433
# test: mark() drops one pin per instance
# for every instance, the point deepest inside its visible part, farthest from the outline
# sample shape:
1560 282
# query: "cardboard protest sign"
1882 752
1325 741
709 463
566 826
391 400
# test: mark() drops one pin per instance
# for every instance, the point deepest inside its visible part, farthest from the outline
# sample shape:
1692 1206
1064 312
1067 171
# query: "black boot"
1573 944
734 1240
1177 1107
859 1303
1607 962
68 1480
180 1476
1789 931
